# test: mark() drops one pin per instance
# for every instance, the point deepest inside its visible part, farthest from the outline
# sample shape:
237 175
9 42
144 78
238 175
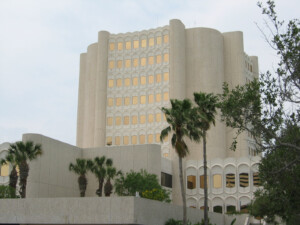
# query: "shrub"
7 192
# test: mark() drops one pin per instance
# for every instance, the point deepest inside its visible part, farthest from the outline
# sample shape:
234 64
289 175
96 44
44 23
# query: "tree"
13 176
146 184
23 152
98 168
205 112
269 110
81 167
181 126
7 192
111 173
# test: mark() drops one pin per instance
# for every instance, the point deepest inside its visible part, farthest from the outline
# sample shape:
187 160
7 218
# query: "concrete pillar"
255 68
101 89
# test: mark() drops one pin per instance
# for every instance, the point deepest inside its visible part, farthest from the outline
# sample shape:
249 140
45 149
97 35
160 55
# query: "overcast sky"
41 40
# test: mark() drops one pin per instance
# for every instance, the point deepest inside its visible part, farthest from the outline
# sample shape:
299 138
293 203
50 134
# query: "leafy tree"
81 167
99 169
111 173
146 184
269 109
13 176
179 120
7 192
23 152
205 111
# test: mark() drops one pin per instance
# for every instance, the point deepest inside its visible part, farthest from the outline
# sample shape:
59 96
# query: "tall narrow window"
109 140
111 64
158 59
135 62
166 57
4 170
110 83
143 80
151 79
120 46
135 81
110 101
158 40
118 120
166 38
143 61
127 101
157 138
217 181
150 118
128 45
135 44
127 63
244 179
150 138
166 96
151 41
256 180
230 180
134 100
119 82
191 182
158 117
134 139
120 63
143 99
158 78
151 60
126 120
109 121
118 101
158 97
144 43
142 119
166 76
150 98
142 139
111 46
125 140
134 120
127 82
117 140
202 181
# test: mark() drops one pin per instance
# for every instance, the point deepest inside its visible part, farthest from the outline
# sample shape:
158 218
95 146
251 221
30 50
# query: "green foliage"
179 222
7 192
143 183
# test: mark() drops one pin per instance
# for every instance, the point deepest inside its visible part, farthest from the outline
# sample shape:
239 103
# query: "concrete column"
81 100
205 73
255 68
90 97
101 89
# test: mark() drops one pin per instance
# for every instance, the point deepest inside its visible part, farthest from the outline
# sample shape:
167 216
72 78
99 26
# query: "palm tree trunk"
182 191
99 191
13 178
24 170
205 179
82 181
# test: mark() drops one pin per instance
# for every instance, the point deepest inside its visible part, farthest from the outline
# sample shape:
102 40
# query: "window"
166 155
135 81
158 117
127 82
134 139
164 116
112 46
109 121
118 120
119 63
127 101
256 180
158 78
230 209
120 46
158 40
117 140
142 139
218 209
166 38
217 181
118 101
134 100
135 62
244 179
125 140
108 140
150 118
142 119
166 76
157 138
150 138
110 102
151 79
144 43
143 99
230 180
158 59
111 64
151 60
127 63
151 41
134 120
166 138
128 45
158 97
110 83
126 120
202 181
166 180
4 170
135 44
191 182
150 98
119 82
143 80
166 96
166 57
143 61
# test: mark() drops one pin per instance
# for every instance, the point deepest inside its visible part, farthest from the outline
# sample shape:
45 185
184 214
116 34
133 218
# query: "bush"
7 192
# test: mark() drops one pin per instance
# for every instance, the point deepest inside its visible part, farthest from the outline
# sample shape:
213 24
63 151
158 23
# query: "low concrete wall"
105 210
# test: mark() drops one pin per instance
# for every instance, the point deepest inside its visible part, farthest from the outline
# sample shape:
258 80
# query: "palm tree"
181 126
13 176
81 167
205 111
111 172
99 169
24 151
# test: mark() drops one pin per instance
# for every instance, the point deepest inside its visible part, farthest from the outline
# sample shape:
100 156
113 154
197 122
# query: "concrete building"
125 79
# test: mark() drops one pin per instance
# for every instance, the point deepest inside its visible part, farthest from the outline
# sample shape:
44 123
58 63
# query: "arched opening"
218 209
191 182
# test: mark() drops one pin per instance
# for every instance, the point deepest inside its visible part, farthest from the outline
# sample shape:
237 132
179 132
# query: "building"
126 78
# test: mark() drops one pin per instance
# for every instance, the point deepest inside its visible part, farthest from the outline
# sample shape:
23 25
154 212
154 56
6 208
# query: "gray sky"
41 40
